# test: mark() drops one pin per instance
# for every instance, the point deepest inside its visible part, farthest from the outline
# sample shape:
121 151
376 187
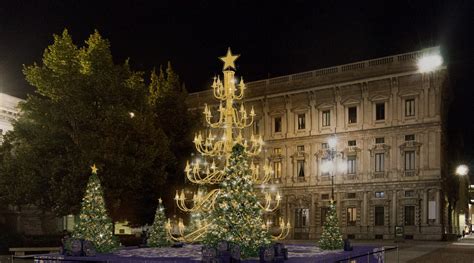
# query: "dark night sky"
274 37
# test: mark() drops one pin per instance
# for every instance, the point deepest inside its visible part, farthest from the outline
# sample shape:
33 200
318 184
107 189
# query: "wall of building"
326 101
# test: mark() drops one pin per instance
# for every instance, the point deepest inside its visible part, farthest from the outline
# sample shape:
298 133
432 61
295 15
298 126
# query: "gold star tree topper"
94 169
229 59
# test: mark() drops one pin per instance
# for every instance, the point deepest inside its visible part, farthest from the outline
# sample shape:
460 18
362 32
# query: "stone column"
290 127
267 122
364 209
394 213
424 219
438 206
312 217
396 111
313 113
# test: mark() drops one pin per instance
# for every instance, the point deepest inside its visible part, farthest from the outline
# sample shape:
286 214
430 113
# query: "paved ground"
410 251
461 251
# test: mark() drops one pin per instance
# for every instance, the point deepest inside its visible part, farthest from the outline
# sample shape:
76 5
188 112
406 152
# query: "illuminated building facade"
388 118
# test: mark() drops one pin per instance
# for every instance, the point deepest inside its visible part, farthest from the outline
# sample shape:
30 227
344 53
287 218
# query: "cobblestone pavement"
410 251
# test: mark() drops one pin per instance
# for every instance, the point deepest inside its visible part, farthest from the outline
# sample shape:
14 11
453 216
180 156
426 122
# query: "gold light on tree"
215 148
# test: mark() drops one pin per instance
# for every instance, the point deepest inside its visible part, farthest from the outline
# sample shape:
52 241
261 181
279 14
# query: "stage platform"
192 253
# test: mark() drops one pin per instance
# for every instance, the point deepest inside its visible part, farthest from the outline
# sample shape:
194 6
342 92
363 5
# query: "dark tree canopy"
88 109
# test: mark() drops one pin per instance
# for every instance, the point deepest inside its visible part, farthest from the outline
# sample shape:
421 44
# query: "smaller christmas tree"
157 236
94 223
331 237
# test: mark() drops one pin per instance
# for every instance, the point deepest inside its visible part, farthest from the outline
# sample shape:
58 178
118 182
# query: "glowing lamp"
429 63
462 170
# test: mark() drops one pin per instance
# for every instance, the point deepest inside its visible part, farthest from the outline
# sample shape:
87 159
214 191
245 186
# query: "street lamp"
429 63
331 155
462 170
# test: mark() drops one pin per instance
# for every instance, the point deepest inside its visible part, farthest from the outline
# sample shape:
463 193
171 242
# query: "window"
379 111
276 150
300 148
379 194
409 193
351 164
277 124
300 168
351 195
352 143
277 170
379 162
379 140
325 196
256 127
379 215
352 114
326 118
301 121
324 162
409 215
301 217
324 145
351 216
409 137
324 212
409 160
409 107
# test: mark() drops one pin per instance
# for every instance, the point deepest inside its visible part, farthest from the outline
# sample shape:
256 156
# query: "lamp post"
331 153
462 170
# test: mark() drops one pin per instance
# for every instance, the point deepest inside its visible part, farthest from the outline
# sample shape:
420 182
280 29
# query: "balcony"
410 173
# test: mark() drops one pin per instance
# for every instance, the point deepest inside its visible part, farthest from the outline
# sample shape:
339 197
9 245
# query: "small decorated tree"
331 237
157 236
237 216
94 224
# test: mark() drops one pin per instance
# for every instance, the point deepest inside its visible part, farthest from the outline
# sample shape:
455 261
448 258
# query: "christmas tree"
94 223
237 216
158 237
331 237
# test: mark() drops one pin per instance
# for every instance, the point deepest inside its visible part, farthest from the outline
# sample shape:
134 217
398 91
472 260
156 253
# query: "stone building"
388 118
8 112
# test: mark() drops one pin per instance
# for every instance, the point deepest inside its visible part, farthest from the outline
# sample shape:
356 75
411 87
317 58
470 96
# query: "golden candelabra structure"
215 149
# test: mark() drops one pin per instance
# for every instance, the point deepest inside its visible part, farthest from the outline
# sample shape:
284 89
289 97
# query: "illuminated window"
379 215
409 215
300 168
277 127
379 194
409 160
277 169
351 216
352 114
379 162
351 164
326 118
379 111
276 150
301 217
379 140
256 127
301 121
351 195
324 212
409 107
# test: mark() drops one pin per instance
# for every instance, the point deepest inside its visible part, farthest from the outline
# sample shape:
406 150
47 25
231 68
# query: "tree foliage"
157 236
81 114
237 216
331 237
94 223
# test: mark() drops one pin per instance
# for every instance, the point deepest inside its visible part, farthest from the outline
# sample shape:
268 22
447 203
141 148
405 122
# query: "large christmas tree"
94 223
331 237
158 237
237 216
